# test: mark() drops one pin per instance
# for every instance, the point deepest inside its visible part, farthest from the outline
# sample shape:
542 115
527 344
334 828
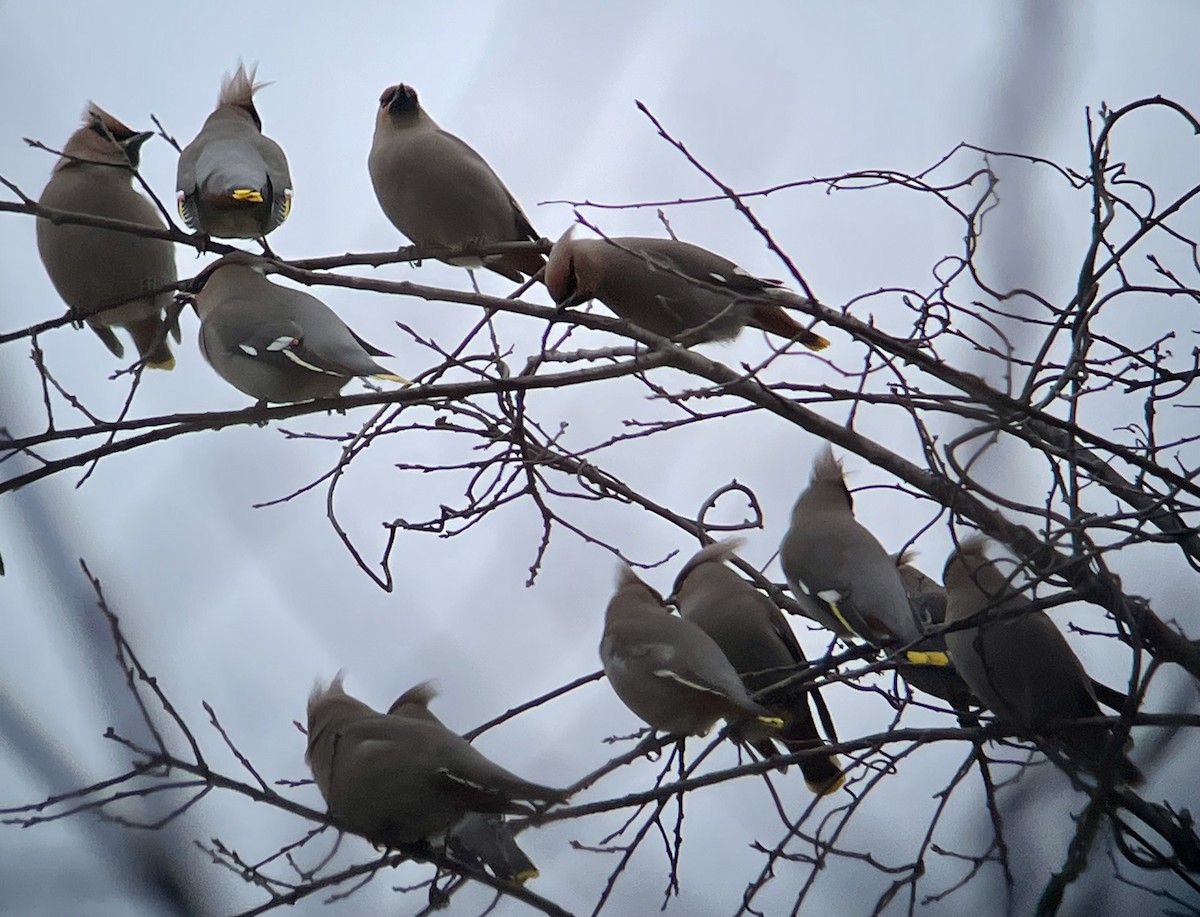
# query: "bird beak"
571 299
135 142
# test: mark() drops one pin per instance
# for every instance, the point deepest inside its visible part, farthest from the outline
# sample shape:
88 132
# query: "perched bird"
675 289
439 192
756 638
480 839
1019 664
233 182
839 573
401 780
275 343
485 840
667 670
108 277
928 601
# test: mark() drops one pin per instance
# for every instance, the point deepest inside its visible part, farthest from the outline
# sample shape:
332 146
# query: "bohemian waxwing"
274 343
233 183
439 192
97 269
667 670
675 289
400 780
928 601
756 638
480 839
1019 664
839 573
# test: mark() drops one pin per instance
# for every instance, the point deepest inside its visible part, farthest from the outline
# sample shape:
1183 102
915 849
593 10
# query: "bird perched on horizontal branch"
755 636
108 278
233 181
667 670
674 289
274 343
439 192
838 571
481 839
928 601
402 780
1020 665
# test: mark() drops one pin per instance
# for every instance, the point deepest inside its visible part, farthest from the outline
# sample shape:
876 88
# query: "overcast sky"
244 607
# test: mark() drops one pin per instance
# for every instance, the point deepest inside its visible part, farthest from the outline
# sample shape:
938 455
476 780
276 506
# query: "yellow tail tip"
814 341
247 194
392 377
930 657
167 364
525 875
773 721
827 787
830 786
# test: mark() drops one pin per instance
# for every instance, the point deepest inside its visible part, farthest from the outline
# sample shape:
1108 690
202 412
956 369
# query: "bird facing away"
107 277
928 601
675 289
1019 664
839 573
233 182
274 343
756 638
667 670
480 839
439 192
400 780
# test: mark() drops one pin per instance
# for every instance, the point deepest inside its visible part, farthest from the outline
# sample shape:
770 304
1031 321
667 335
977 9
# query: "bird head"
400 102
709 559
562 273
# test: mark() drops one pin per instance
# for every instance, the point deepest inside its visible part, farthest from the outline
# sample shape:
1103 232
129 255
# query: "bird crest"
718 552
828 470
237 91
418 695
105 124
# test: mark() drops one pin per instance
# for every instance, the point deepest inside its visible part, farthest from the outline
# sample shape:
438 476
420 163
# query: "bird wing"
703 265
857 583
487 840
185 173
660 659
282 342
1048 660
275 163
521 222
830 590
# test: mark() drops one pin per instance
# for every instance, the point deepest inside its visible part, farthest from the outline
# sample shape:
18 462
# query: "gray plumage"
479 839
108 277
667 670
274 343
399 780
838 571
1019 664
486 841
754 635
675 289
441 193
233 182
928 601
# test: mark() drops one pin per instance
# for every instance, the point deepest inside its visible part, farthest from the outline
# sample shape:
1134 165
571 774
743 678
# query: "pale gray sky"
244 607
